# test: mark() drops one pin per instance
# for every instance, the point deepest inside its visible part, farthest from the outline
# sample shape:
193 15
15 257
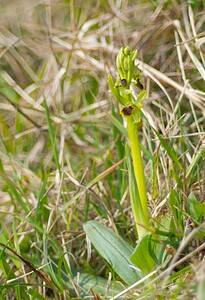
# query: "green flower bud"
126 50
126 63
122 89
134 54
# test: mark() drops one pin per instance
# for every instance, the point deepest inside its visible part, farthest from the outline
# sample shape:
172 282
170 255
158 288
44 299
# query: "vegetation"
102 150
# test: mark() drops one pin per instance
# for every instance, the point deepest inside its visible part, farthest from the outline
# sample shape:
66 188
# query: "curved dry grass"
61 52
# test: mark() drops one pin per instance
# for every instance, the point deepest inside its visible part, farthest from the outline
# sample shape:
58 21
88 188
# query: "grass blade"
52 136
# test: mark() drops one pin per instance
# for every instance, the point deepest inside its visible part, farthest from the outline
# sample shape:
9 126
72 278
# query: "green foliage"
196 3
141 257
99 285
176 206
195 209
52 136
64 159
170 150
140 215
114 249
127 76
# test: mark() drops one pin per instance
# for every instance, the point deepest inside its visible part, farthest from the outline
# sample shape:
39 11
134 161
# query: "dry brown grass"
61 52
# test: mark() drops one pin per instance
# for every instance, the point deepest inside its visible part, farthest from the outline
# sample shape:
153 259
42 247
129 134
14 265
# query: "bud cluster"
128 89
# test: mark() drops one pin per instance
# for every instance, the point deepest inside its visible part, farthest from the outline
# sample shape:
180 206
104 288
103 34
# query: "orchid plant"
129 92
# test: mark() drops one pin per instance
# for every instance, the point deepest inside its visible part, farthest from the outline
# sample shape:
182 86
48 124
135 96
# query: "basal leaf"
114 249
142 256
98 284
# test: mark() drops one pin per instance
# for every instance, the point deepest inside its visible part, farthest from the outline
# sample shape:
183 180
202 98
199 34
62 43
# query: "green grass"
63 151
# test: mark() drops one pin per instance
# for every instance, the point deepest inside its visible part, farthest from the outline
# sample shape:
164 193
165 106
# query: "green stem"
138 167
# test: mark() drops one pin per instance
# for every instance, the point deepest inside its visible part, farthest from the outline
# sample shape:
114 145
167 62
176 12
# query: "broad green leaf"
98 284
195 208
114 249
142 257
